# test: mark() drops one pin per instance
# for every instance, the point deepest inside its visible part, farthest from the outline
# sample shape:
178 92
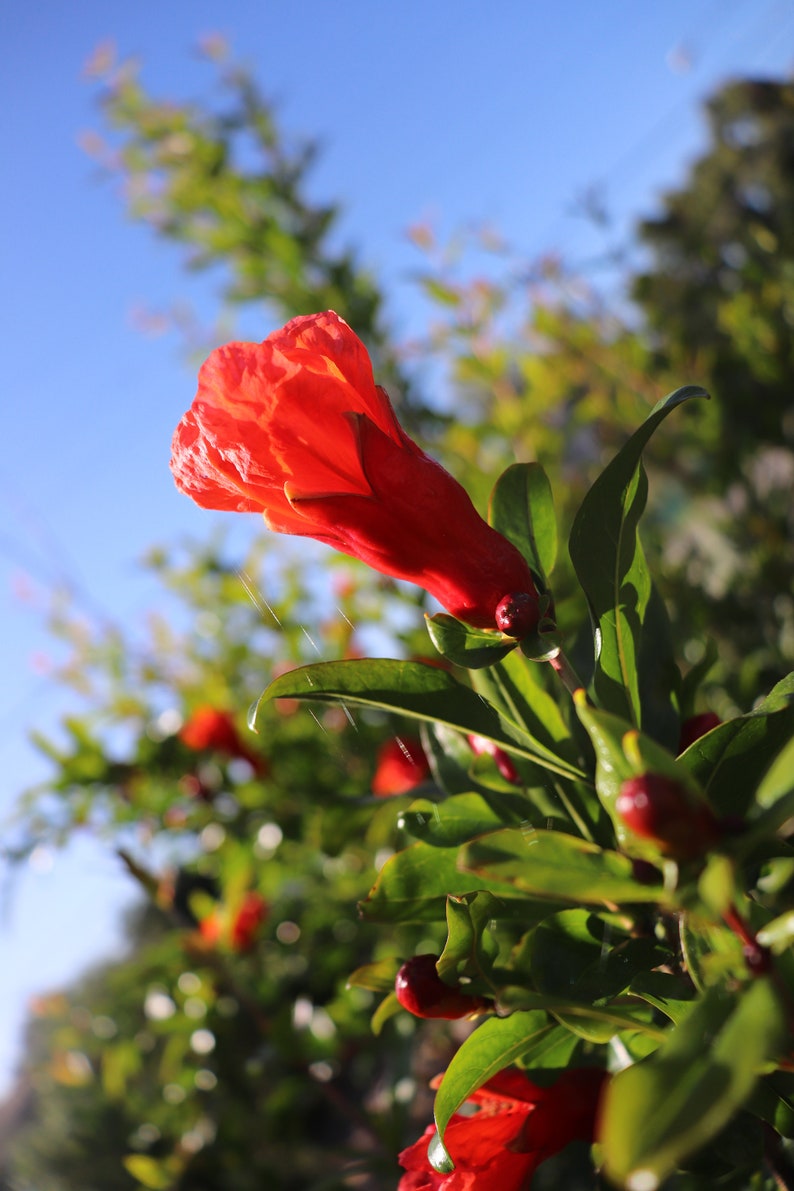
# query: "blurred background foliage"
206 1058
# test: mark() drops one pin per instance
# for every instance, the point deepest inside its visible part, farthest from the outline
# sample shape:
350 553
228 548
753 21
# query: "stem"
565 672
778 1160
584 827
757 957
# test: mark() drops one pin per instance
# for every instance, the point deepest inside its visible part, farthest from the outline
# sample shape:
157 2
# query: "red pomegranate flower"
296 428
401 765
517 1126
211 728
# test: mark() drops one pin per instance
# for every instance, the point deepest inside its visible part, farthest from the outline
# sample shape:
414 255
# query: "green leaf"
458 819
465 646
691 681
731 760
156 1174
389 1007
415 690
377 977
450 757
611 567
622 752
712 953
670 994
595 1023
494 1045
551 864
522 510
413 886
119 1063
515 688
659 1112
469 942
575 956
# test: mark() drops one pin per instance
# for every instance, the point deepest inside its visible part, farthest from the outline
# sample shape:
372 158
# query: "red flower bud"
421 991
659 809
401 766
697 726
482 746
296 428
517 614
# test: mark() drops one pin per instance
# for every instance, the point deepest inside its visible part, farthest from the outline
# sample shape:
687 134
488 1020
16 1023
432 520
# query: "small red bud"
517 614
481 746
659 809
421 991
697 726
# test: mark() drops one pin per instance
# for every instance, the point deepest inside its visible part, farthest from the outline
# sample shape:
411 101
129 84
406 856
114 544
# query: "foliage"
586 936
287 1071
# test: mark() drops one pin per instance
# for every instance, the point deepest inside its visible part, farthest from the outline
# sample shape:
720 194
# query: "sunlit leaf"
494 1045
662 1110
555 865
415 690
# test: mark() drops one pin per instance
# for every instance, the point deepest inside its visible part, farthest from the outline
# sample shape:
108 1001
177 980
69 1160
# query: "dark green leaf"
670 994
470 946
415 690
515 688
522 510
713 953
611 567
575 957
465 646
661 1111
731 760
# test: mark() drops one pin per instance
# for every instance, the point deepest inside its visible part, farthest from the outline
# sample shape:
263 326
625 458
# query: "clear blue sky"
506 111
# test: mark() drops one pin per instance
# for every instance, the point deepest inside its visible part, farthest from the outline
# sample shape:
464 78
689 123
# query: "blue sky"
458 111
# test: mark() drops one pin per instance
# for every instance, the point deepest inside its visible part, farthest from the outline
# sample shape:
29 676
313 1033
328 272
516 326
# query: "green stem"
574 814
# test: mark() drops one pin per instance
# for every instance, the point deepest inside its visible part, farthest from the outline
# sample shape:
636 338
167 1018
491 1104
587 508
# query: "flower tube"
296 428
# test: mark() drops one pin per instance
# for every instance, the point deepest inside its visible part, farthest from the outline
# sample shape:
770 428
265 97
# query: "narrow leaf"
416 690
611 567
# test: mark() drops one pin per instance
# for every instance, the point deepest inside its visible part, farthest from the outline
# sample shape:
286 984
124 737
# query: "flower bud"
660 809
421 991
482 746
517 614
696 726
